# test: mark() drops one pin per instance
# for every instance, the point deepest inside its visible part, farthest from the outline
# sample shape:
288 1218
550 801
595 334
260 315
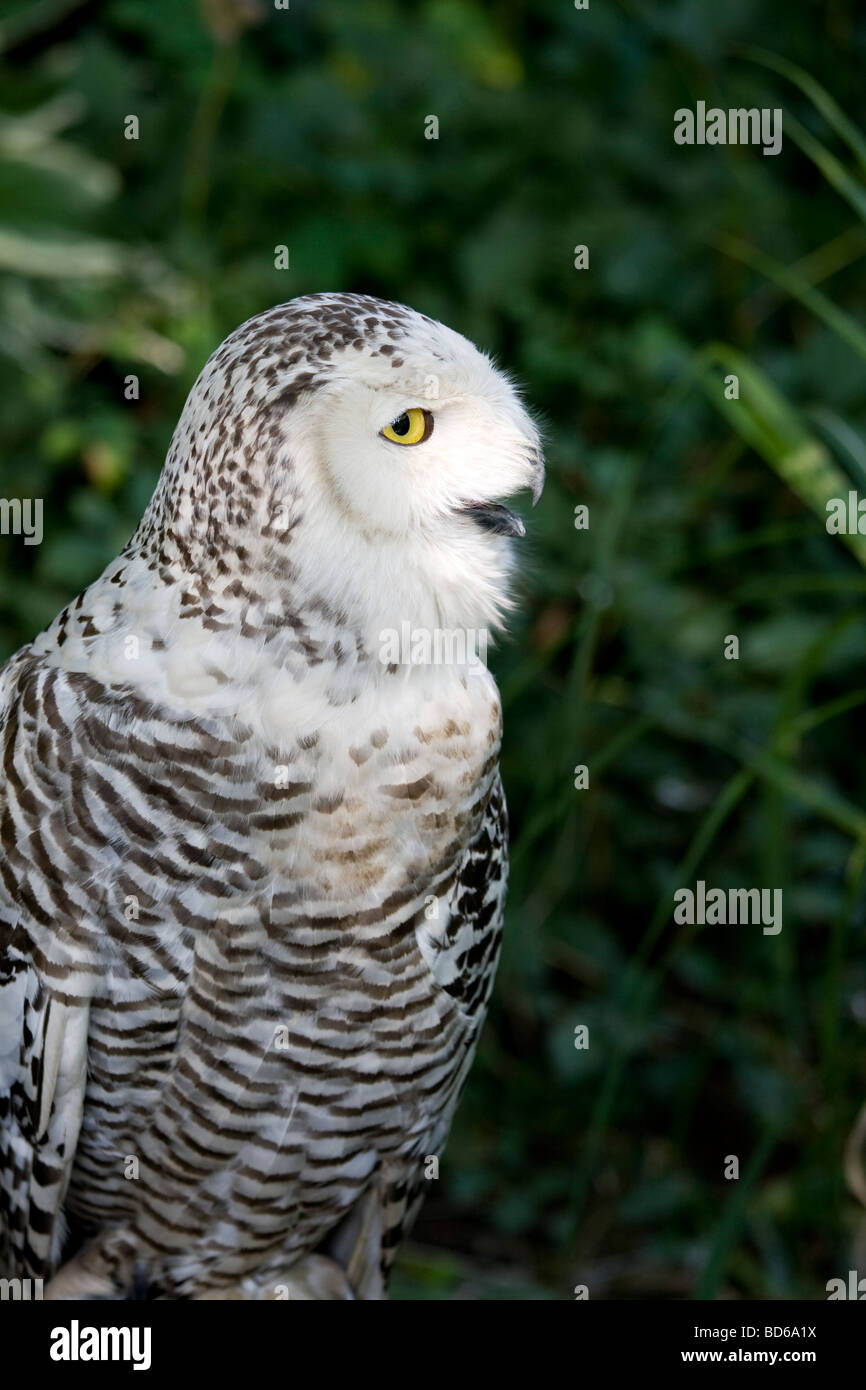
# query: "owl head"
350 456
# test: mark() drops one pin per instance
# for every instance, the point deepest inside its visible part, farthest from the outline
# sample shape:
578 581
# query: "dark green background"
306 127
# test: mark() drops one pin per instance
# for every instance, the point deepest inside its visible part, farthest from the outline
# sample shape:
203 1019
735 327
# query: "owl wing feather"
43 1033
462 953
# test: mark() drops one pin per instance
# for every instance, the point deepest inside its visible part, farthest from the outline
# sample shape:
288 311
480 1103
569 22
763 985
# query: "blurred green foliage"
305 127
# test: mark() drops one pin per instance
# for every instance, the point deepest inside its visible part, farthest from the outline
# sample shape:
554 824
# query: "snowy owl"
252 832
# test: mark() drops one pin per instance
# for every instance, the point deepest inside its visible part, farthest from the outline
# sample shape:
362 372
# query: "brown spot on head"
208 520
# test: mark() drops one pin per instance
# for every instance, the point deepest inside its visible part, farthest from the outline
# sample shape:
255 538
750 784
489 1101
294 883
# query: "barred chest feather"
288 945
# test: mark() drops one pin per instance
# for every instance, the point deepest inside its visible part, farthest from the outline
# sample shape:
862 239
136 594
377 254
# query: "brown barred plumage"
252 873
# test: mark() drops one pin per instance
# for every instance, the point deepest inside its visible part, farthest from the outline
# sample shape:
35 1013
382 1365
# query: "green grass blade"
818 95
799 288
733 1218
765 419
832 168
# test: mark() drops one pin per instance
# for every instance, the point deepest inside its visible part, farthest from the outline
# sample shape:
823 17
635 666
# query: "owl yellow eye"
412 427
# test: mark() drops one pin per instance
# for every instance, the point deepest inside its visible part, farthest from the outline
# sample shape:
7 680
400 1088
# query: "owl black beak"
492 516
